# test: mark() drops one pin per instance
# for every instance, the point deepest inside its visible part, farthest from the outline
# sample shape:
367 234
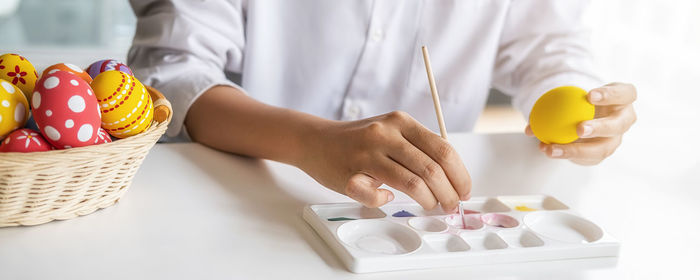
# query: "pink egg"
24 140
102 137
66 110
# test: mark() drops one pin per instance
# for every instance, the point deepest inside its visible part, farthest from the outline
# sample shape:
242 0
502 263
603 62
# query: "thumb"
365 190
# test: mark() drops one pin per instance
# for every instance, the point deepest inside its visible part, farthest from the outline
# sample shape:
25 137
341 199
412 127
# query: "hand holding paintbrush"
438 108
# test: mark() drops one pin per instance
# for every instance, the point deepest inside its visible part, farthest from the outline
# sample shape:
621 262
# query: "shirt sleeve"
544 45
184 47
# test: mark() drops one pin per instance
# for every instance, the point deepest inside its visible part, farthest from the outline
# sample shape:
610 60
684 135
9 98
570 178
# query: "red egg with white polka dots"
24 140
65 110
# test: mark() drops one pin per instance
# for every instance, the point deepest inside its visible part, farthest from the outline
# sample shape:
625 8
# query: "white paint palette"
504 229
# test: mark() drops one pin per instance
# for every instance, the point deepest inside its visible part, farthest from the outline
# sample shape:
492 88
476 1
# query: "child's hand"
355 158
614 115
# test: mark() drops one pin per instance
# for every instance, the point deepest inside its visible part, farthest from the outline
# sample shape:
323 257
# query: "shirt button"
377 35
353 112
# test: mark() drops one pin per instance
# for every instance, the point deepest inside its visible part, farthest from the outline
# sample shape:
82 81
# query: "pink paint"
470 222
499 220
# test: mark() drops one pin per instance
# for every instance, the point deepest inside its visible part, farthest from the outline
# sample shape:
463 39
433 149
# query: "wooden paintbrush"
438 108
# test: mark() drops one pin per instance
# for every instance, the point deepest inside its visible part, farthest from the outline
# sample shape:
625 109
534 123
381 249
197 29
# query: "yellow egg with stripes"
124 102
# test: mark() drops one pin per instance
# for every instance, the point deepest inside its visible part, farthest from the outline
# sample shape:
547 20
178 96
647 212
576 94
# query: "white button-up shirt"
349 60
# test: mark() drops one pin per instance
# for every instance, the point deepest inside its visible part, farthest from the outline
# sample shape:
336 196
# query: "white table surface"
195 213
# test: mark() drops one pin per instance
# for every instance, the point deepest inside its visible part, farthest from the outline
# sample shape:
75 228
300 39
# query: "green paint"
336 219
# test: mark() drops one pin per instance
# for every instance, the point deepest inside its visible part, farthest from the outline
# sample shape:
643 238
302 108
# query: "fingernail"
390 197
557 152
587 130
596 96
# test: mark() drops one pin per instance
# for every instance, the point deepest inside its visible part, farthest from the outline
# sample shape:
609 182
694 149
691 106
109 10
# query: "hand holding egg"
598 137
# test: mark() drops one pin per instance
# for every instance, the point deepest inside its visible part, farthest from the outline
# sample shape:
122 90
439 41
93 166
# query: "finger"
528 131
592 150
402 179
443 153
613 94
432 173
617 123
365 189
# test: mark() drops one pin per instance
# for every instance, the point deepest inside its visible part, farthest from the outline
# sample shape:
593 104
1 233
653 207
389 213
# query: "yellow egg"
124 102
14 108
18 71
558 112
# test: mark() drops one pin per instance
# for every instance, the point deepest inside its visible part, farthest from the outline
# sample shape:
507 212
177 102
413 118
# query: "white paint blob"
74 82
49 113
76 103
6 103
8 87
69 123
19 112
51 82
36 100
52 133
85 133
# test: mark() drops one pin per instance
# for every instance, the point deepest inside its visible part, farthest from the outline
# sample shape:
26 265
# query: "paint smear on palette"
402 214
470 212
336 219
499 220
472 222
524 208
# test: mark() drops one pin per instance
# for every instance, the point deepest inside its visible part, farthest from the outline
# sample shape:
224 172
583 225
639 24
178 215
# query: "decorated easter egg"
65 110
558 112
14 109
107 65
19 71
126 107
24 141
102 136
68 68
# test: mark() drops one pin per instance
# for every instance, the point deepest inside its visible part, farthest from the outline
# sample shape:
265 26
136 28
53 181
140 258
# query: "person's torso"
349 60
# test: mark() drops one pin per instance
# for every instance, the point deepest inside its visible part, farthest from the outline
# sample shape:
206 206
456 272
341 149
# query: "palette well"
505 229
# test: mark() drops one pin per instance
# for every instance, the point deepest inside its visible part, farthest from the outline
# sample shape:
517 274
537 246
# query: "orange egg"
68 68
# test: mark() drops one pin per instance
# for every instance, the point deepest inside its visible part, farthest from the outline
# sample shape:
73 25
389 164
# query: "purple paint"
403 214
107 65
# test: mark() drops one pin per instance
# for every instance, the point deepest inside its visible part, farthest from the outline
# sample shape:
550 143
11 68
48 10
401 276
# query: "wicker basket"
36 188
